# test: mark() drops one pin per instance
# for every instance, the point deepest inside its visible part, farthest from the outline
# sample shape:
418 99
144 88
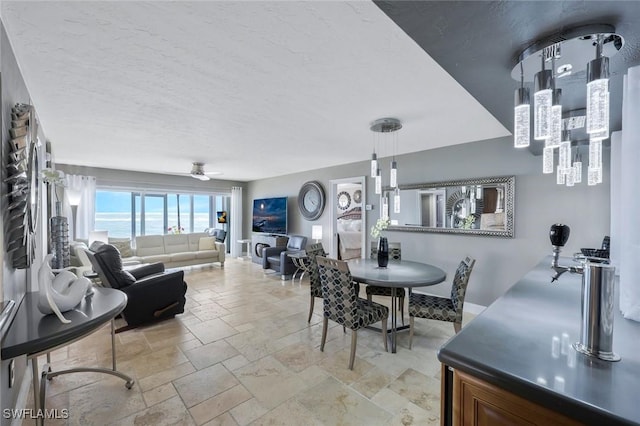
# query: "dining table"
397 274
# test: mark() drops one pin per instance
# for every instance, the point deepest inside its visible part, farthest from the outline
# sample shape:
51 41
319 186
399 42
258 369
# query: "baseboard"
474 309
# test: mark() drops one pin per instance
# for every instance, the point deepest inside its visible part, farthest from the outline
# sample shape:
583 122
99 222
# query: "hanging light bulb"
594 171
570 177
547 160
396 200
385 207
556 120
560 176
542 103
577 165
564 154
598 91
393 175
374 164
378 182
522 125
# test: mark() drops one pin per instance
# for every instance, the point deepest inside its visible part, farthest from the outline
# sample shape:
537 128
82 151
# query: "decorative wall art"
22 186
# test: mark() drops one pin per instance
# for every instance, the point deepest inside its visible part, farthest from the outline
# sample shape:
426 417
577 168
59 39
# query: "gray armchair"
276 257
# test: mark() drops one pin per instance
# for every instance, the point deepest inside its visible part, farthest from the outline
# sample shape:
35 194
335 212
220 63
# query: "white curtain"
85 186
627 200
236 221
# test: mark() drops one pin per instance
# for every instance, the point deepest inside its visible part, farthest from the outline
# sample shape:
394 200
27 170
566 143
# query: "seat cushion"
207 254
207 243
370 313
164 258
274 260
182 257
431 307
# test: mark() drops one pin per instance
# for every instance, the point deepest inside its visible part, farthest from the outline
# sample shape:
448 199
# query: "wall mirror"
483 206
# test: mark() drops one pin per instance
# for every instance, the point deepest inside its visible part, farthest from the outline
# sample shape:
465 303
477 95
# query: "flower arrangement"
468 222
175 229
379 227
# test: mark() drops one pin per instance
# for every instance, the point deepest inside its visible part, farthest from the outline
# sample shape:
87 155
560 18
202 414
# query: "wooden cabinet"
478 403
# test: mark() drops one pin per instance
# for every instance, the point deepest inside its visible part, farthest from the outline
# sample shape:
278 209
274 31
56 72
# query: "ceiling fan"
197 172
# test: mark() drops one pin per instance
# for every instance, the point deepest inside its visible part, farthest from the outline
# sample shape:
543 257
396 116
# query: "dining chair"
442 308
314 250
342 304
395 253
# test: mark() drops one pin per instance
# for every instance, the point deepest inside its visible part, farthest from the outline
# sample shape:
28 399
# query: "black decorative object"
383 252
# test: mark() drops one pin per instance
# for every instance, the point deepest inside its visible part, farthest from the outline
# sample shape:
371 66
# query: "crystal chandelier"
386 129
548 63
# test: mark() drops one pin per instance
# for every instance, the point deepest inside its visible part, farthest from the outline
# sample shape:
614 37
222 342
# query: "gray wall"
539 203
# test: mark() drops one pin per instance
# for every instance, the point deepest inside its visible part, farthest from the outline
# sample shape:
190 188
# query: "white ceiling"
251 89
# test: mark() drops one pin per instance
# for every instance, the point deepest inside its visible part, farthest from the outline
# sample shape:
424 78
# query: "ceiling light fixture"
567 54
197 172
387 128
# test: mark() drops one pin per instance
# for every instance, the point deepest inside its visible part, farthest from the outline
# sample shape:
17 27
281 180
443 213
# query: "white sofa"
176 250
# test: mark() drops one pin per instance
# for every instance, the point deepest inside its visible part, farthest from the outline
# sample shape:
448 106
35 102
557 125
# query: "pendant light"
522 126
572 50
386 126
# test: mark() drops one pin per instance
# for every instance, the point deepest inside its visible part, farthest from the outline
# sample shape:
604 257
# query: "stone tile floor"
244 354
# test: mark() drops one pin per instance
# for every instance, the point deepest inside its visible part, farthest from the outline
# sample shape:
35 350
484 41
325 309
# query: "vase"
383 252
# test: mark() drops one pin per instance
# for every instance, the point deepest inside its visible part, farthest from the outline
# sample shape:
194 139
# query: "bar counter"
522 344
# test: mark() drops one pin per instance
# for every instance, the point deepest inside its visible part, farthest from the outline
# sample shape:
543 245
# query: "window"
127 213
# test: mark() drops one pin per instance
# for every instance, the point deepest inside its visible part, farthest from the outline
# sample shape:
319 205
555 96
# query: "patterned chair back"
395 251
460 281
338 292
314 250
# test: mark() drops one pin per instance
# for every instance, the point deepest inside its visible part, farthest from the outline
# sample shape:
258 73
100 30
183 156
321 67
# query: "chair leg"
313 299
457 326
325 323
354 341
410 330
369 298
384 332
401 301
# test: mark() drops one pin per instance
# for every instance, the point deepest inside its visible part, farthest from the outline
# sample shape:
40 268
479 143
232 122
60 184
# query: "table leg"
393 320
36 385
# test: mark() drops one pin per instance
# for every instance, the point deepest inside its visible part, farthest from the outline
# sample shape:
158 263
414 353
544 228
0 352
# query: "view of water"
119 223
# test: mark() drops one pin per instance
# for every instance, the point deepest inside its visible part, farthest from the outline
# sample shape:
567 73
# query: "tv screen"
222 217
270 215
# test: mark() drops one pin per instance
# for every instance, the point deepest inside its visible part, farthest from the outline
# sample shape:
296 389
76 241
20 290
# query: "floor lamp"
74 200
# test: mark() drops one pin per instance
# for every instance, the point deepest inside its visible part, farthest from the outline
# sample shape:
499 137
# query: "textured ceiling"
251 89
477 42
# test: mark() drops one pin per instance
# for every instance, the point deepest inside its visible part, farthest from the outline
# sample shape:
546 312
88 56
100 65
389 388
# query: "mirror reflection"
480 206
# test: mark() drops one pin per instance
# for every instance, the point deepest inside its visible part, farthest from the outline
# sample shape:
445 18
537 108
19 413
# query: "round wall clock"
311 200
344 200
357 196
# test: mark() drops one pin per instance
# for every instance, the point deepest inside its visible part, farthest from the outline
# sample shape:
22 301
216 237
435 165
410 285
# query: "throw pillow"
123 245
207 243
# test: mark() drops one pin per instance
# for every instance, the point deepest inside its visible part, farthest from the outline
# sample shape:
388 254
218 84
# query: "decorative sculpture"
59 293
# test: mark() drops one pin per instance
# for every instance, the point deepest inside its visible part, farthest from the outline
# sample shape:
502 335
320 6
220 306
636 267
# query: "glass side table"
301 262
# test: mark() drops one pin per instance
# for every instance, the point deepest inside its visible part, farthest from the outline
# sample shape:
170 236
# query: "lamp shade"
73 196
316 232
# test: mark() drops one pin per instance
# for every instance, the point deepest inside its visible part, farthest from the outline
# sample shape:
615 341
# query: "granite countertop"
522 343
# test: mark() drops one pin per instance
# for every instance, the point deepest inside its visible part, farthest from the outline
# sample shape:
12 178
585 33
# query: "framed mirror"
483 206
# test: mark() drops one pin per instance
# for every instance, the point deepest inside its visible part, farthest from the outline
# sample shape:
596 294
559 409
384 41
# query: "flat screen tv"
270 215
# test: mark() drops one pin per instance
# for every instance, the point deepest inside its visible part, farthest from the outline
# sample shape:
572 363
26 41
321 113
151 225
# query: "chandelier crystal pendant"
542 102
522 112
598 91
577 166
555 132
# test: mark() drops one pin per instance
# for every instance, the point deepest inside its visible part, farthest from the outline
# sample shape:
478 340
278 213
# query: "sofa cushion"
207 254
111 263
149 245
207 243
183 257
176 243
194 240
123 245
164 258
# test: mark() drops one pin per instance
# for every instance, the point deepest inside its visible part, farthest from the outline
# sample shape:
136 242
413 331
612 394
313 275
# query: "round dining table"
397 274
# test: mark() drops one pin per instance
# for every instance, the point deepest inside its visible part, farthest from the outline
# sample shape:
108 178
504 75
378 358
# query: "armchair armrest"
162 284
146 270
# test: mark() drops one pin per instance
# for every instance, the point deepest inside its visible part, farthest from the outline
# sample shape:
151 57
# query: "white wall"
539 203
